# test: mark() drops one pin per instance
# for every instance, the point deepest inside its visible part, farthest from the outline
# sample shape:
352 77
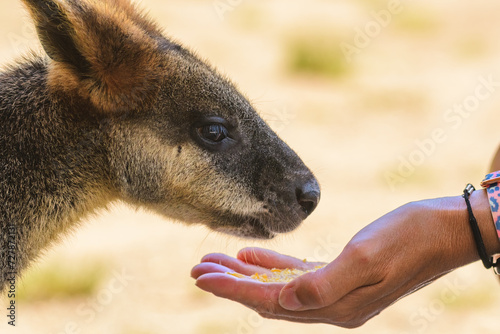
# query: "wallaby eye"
213 132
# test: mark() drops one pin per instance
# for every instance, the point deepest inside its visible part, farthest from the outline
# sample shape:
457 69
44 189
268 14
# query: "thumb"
322 288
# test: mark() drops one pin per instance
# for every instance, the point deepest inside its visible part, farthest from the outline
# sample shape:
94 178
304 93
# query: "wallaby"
117 111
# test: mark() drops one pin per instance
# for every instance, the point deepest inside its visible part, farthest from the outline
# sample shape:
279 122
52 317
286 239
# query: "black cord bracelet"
481 249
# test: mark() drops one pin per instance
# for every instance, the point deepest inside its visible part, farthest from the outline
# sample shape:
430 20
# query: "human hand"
212 275
394 256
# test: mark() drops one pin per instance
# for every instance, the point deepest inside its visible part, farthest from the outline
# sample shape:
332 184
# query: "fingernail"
288 300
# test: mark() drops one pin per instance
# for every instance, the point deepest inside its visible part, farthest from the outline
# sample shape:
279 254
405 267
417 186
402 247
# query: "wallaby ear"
104 51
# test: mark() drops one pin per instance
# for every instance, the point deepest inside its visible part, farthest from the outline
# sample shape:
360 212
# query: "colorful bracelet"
492 186
491 183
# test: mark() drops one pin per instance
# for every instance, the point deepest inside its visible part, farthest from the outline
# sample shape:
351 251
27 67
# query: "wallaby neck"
53 166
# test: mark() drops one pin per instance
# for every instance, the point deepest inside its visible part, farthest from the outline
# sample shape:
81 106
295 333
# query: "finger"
246 291
270 259
258 296
235 264
324 287
208 267
299 318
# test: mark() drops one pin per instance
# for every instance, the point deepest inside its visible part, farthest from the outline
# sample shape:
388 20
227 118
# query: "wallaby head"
119 111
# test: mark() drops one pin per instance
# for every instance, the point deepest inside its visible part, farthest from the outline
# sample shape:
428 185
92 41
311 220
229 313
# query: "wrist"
466 244
448 224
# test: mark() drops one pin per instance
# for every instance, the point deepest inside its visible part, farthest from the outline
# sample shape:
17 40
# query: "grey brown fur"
116 111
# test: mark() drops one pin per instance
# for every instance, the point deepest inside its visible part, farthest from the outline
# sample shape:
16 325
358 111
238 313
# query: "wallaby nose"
308 195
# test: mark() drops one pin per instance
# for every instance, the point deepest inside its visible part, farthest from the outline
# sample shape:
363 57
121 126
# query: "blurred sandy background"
352 122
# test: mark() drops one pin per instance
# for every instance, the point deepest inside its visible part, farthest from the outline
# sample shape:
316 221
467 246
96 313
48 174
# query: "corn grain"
277 275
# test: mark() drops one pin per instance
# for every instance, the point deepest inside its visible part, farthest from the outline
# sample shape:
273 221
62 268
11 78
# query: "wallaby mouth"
279 215
253 228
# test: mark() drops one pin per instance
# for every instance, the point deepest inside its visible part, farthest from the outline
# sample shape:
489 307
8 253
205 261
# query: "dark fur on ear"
103 51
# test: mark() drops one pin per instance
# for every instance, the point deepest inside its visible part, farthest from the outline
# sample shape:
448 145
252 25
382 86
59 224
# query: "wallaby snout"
117 111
